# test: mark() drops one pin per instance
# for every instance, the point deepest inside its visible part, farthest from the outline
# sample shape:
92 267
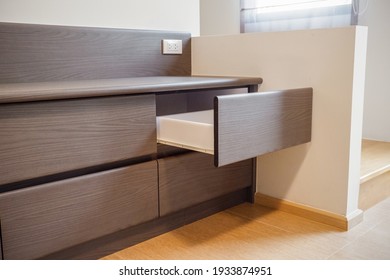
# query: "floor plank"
255 232
375 159
374 245
374 191
375 173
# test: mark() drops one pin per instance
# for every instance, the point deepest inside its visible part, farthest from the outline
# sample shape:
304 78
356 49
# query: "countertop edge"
28 92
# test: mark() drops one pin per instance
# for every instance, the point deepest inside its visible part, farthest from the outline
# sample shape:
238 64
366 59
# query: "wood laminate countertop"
27 92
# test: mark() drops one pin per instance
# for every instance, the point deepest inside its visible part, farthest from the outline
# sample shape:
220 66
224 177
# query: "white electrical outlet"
172 46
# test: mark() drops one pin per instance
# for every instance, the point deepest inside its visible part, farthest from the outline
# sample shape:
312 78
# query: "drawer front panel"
189 179
43 138
249 125
47 218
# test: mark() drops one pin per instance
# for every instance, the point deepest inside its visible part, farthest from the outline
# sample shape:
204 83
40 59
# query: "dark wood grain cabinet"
81 169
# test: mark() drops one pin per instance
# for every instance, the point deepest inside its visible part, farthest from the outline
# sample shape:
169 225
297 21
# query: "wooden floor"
255 232
375 173
375 159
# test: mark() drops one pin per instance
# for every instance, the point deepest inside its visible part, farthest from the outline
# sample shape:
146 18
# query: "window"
280 15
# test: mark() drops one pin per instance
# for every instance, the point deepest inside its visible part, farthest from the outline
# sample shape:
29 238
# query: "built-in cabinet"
75 170
83 169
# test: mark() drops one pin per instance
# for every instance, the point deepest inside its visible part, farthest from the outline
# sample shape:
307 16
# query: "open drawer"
242 126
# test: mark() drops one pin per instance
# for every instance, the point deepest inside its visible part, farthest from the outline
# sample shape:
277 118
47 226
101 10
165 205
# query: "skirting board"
311 213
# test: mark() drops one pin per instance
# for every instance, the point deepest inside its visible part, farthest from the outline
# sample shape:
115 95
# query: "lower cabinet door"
192 178
44 219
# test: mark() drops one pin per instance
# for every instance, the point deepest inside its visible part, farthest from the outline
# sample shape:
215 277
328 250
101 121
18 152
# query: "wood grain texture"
109 244
374 191
44 138
38 53
41 220
375 159
166 151
1 244
252 232
24 92
249 125
189 179
204 100
197 99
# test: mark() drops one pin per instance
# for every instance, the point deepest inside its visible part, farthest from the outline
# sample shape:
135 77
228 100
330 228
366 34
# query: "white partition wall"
172 15
323 174
376 124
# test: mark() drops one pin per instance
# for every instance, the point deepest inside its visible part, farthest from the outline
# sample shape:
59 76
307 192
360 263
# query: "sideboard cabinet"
96 158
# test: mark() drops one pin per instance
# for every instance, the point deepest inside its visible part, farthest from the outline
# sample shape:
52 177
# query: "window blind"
282 15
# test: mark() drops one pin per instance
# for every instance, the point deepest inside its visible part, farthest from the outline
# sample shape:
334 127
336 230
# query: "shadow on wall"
293 160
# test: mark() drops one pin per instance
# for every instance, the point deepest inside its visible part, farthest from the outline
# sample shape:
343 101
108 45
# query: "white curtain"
259 16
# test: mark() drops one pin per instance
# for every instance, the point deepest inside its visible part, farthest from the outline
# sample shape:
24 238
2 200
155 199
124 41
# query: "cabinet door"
44 219
43 138
242 126
189 179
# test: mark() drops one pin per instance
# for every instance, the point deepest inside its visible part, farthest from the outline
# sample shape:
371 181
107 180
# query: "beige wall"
376 123
219 17
324 173
175 15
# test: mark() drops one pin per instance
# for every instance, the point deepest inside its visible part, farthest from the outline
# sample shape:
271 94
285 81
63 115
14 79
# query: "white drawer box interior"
193 131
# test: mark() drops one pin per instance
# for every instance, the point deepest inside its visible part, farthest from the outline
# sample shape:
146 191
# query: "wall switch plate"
172 46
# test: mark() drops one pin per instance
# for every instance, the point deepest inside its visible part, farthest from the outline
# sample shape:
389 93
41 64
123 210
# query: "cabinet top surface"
26 92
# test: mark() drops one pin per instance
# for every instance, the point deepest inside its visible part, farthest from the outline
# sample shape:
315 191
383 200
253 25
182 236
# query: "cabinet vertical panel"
41 53
44 219
44 138
189 179
1 244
